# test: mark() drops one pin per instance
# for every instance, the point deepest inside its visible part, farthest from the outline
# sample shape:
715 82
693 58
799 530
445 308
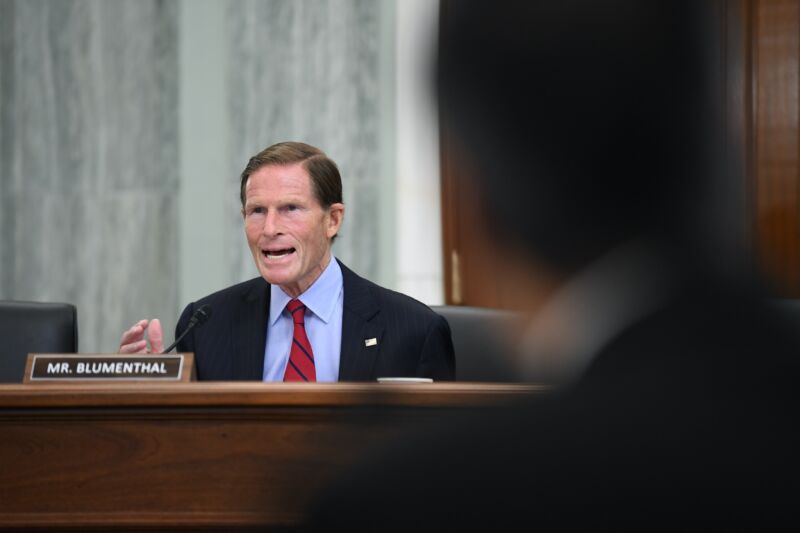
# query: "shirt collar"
320 298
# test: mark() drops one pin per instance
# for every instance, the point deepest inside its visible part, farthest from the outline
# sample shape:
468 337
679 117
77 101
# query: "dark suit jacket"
413 341
687 420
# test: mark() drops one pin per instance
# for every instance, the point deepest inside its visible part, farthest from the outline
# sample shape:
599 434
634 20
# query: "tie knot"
296 308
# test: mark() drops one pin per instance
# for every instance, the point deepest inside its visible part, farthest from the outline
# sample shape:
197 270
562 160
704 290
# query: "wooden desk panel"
198 455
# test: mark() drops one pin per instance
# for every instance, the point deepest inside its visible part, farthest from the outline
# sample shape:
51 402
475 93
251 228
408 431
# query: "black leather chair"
34 327
479 341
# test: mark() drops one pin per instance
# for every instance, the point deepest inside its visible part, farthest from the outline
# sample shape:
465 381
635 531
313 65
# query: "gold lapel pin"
371 342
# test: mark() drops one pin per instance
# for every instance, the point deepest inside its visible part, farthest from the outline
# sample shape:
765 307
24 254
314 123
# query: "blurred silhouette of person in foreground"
589 129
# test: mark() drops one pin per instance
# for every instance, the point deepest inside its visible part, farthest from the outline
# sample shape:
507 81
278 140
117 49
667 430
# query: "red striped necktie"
301 357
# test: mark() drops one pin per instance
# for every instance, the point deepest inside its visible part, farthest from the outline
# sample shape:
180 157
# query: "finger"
133 334
156 336
134 347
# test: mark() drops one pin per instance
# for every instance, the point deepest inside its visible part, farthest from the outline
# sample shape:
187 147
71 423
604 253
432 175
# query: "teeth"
276 255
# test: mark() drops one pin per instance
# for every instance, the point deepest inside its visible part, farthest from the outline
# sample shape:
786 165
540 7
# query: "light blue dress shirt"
324 301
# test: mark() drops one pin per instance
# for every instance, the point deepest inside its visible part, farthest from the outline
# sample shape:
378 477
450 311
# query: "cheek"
251 232
305 232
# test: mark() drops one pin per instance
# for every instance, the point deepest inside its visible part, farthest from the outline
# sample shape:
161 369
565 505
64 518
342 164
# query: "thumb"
156 336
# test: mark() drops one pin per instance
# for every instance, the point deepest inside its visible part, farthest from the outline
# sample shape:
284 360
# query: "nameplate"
108 367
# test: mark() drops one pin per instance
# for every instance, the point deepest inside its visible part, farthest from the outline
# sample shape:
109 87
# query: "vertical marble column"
308 70
89 160
417 185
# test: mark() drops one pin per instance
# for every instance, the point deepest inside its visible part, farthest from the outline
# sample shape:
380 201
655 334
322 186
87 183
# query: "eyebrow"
282 202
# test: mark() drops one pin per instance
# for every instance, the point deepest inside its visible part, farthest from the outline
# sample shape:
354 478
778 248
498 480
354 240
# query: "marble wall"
88 183
309 70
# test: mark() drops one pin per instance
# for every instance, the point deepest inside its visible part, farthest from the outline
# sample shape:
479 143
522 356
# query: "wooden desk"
213 456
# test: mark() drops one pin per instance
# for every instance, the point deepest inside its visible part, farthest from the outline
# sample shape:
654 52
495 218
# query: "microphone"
198 317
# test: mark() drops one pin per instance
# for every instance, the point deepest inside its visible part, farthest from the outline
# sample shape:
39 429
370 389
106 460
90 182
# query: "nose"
271 227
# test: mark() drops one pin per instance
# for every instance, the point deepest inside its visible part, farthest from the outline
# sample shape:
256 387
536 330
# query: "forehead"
279 181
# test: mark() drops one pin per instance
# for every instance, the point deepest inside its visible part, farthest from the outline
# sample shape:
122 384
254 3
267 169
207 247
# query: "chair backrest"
479 341
34 327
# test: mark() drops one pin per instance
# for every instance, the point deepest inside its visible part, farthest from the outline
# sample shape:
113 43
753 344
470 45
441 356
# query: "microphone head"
202 313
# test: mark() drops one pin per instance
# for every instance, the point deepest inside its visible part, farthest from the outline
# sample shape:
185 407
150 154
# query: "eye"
257 210
291 207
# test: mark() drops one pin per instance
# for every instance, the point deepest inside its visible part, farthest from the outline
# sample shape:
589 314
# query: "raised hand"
133 340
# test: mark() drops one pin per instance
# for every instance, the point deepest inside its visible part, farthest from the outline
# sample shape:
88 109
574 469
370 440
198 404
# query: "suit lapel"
249 331
360 324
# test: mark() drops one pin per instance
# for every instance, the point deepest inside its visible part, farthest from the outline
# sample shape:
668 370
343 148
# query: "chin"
276 278
272 278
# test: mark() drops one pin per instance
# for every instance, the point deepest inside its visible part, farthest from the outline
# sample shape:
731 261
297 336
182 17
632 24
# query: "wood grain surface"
776 144
200 456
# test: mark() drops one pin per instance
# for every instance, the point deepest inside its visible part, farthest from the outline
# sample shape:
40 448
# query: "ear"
335 218
242 211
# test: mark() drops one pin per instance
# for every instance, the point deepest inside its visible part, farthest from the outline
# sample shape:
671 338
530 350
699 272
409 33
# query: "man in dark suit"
590 129
308 317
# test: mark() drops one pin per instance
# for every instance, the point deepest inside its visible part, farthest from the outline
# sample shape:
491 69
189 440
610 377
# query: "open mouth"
277 253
